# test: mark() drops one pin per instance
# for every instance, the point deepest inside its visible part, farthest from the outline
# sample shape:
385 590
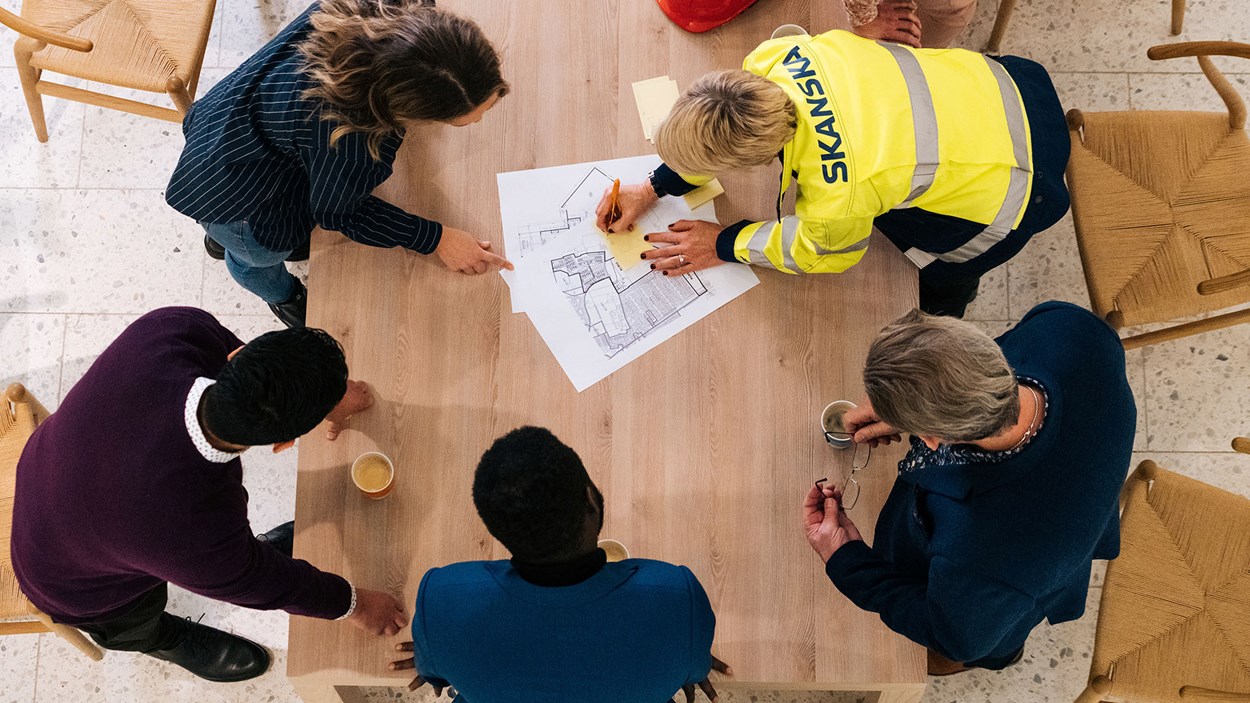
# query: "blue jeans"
251 265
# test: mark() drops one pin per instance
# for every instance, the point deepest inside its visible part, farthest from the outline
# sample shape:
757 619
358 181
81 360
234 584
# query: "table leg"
902 695
313 690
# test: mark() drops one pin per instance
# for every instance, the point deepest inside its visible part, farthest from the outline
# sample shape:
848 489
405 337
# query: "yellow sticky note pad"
654 98
704 194
627 247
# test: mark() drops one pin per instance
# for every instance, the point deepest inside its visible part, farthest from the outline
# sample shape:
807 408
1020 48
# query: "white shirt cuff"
351 608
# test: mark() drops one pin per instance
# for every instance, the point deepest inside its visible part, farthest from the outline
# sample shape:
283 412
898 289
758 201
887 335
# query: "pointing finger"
496 260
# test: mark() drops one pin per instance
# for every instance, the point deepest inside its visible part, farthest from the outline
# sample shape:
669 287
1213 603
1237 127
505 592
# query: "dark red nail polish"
666 273
610 231
642 256
646 237
652 267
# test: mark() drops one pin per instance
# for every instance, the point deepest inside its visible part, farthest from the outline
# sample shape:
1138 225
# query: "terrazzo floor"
87 244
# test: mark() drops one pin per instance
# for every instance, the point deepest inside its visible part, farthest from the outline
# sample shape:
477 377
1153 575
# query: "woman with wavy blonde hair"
301 133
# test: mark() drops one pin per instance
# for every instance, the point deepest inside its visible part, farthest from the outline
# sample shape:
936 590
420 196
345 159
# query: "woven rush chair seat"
17 424
20 414
151 45
139 44
1174 624
1161 206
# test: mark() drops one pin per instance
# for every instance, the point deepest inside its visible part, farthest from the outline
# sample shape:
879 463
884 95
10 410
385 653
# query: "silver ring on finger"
681 259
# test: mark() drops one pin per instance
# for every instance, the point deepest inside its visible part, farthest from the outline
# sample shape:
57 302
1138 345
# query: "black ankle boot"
300 253
214 655
282 538
213 249
293 312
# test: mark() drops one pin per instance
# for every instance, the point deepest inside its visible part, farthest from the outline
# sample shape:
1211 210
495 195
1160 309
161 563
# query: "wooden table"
703 448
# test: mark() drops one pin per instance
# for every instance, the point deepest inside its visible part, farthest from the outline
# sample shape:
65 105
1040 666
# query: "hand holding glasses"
839 438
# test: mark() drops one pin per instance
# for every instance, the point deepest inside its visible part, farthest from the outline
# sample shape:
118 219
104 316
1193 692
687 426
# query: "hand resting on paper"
691 247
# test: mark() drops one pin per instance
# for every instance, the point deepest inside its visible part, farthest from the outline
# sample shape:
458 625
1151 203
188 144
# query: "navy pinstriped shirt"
259 152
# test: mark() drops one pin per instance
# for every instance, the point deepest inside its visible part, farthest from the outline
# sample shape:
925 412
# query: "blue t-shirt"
636 631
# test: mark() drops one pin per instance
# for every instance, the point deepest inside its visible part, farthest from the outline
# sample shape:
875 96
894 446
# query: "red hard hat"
702 15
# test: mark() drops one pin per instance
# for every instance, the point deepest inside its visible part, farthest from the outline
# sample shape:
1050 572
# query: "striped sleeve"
794 245
341 180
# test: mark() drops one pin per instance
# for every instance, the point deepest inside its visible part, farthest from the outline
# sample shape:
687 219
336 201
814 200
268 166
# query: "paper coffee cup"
374 474
615 550
831 421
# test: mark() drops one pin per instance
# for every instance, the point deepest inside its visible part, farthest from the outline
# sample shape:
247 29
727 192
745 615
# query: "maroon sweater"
113 499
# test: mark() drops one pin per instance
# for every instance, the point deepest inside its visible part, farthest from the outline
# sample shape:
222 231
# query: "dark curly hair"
277 388
530 490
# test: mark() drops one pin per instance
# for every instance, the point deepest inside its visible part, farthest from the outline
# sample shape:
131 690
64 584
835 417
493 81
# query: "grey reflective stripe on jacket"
789 231
924 118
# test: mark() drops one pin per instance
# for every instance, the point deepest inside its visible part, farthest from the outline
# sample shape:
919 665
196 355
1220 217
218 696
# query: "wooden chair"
1160 203
152 45
1006 7
20 413
1174 624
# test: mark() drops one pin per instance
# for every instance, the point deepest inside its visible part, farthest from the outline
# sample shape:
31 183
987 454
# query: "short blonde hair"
941 377
726 120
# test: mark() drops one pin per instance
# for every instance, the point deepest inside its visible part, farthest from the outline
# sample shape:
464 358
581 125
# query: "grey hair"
941 377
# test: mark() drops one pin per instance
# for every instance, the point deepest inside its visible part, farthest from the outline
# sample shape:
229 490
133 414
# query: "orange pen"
614 207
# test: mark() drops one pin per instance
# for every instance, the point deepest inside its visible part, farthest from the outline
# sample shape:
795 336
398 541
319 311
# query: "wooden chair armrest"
1241 444
1199 48
34 31
1223 284
1204 50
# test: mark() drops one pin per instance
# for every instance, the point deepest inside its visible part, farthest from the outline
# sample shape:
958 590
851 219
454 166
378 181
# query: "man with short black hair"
135 482
557 622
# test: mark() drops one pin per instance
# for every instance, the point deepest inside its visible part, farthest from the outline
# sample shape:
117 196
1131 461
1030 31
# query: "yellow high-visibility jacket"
883 126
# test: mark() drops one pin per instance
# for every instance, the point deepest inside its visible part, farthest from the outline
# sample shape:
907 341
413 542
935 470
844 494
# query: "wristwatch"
655 185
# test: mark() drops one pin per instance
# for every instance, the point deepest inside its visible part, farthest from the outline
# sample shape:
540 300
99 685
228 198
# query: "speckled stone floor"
69 288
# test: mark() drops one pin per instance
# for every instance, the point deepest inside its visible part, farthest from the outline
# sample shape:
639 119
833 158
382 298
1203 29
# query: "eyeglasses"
850 487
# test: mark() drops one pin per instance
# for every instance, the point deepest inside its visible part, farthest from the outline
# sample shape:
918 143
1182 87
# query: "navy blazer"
257 151
970 557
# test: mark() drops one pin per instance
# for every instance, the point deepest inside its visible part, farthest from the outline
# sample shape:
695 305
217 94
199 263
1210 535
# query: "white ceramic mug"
615 550
831 422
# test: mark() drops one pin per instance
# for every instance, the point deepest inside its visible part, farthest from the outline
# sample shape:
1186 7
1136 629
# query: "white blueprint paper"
595 316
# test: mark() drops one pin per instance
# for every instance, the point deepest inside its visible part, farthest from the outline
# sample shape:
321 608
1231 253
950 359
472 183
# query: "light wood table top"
703 447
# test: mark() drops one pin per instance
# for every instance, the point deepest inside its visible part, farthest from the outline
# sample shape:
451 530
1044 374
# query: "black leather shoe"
293 312
300 254
282 538
214 655
215 250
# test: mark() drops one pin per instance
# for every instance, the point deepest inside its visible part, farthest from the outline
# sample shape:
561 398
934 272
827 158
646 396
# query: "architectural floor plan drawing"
616 310
594 314
580 204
